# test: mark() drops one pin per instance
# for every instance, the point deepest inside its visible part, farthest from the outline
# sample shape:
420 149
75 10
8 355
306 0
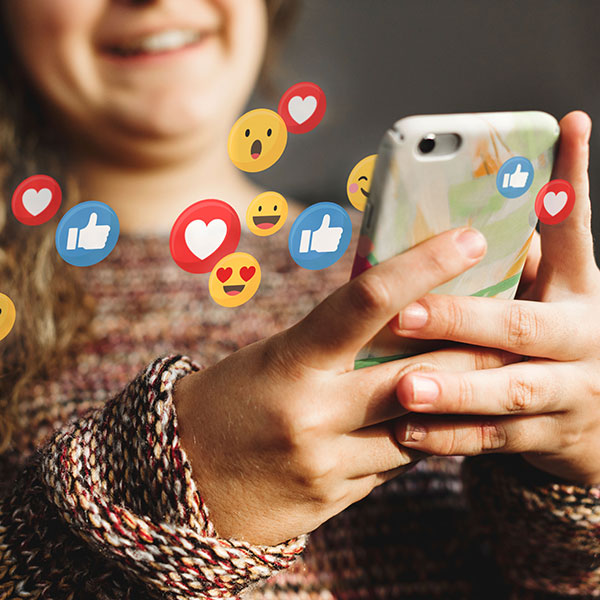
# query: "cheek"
53 39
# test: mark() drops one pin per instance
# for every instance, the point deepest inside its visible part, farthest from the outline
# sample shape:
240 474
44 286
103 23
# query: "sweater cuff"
124 484
544 531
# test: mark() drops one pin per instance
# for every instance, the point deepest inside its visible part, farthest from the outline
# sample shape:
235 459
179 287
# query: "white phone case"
414 197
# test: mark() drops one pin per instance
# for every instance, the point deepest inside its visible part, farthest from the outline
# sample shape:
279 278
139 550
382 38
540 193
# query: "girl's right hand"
284 434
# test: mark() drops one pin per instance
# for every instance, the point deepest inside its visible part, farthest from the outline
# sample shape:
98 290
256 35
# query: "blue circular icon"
320 236
515 177
87 234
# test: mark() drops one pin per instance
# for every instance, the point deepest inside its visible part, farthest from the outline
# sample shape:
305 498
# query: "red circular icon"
555 202
36 200
203 234
302 107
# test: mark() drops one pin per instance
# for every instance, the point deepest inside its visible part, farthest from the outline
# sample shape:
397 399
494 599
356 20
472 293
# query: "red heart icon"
247 273
224 274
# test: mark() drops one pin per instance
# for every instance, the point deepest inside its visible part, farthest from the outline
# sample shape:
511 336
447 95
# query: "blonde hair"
53 309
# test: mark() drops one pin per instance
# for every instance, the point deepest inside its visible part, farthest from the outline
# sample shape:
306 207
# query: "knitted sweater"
99 499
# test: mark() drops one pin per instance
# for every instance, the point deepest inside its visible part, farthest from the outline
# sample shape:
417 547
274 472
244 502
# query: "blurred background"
380 60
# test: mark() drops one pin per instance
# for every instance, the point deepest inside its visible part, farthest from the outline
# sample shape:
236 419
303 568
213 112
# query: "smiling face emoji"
359 182
257 140
7 315
267 214
234 280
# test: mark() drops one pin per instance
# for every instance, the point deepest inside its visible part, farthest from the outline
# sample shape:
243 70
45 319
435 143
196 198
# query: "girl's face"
141 69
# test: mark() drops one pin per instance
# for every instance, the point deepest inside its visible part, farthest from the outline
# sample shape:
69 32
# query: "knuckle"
315 472
297 429
491 436
369 294
521 327
466 394
436 262
520 396
449 443
454 317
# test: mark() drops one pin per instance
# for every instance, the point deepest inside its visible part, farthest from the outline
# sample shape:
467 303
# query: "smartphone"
438 172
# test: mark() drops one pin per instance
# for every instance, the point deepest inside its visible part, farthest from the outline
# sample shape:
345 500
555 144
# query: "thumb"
518 169
567 247
93 220
326 221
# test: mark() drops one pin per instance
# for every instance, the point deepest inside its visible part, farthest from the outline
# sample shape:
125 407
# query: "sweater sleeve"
543 532
109 509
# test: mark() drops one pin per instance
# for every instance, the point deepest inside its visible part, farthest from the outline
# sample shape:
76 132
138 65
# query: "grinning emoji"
257 140
359 182
267 214
7 315
234 280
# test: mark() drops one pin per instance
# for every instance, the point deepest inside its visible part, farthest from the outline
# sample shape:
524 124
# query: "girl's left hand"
547 407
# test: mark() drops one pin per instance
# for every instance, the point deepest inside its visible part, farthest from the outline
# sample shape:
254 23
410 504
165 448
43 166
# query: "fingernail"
424 390
414 316
413 433
471 243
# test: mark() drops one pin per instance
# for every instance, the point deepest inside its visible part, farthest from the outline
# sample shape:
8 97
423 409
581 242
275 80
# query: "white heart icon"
301 110
203 239
554 203
35 202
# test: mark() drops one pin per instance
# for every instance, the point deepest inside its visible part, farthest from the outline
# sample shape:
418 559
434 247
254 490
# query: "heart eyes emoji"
234 279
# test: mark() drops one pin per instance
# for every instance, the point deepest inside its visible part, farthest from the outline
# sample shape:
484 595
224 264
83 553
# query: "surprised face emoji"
257 140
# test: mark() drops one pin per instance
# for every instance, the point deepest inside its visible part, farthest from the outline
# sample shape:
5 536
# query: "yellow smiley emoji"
8 314
234 280
359 182
257 140
267 214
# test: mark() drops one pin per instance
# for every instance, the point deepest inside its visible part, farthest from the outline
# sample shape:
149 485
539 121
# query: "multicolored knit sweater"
99 499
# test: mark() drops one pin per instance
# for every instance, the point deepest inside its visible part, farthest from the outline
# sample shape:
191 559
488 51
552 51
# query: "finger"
471 436
93 220
325 222
531 388
532 262
373 450
542 329
567 247
368 395
333 333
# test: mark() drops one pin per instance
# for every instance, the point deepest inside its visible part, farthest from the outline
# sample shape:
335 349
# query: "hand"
547 408
284 434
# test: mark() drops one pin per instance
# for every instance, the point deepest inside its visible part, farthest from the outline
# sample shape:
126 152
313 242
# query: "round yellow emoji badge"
257 140
8 315
359 182
234 280
267 214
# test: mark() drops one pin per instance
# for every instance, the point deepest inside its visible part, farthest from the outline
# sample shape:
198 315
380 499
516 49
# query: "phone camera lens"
427 144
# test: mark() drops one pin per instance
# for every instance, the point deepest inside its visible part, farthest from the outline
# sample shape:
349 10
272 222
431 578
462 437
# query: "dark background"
380 60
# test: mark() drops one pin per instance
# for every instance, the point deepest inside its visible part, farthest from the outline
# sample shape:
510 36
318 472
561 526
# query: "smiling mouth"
233 290
266 222
364 192
256 149
163 42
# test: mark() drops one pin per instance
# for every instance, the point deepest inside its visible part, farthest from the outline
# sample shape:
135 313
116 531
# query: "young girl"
130 471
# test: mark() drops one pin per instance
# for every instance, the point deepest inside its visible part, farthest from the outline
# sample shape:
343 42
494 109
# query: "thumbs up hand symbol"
326 238
91 237
518 179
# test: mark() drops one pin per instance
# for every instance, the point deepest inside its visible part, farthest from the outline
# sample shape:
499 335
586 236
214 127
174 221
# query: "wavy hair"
53 308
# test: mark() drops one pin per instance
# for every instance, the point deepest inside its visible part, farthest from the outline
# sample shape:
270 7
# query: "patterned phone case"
413 198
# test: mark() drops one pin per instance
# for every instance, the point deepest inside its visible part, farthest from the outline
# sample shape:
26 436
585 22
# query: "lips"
266 222
256 149
364 192
233 290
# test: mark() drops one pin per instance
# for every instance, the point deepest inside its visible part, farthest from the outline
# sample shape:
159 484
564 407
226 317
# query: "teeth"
161 42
